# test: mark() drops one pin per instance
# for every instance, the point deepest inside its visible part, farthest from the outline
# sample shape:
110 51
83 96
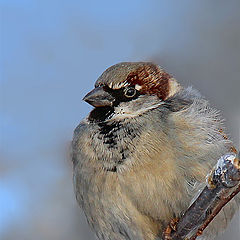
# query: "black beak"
99 98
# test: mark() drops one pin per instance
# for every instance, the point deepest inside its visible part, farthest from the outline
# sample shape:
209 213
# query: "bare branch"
223 183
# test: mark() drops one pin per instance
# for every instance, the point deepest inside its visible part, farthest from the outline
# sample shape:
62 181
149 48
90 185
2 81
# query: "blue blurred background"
52 52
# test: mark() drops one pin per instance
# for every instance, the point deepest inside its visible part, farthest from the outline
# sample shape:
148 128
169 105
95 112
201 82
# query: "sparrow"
142 154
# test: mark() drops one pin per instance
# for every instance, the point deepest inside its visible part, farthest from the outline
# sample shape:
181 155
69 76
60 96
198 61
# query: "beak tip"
87 97
87 100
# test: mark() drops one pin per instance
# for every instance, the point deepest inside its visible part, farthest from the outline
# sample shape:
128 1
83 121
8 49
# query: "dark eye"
129 92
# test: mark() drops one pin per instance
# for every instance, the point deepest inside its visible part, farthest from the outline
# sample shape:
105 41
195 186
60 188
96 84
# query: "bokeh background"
52 52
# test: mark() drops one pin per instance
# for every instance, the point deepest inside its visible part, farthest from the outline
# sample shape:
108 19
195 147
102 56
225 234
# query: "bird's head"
129 89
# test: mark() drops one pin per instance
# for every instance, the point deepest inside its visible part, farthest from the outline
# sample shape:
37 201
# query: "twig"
215 212
223 185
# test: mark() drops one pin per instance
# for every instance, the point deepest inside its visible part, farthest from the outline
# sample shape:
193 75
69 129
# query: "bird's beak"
99 98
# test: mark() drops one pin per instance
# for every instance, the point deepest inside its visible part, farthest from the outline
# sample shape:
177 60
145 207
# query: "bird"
142 154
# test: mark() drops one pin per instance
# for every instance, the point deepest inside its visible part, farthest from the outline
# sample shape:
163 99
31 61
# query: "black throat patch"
100 114
114 136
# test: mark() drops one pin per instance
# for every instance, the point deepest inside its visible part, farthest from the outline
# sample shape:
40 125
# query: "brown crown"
152 80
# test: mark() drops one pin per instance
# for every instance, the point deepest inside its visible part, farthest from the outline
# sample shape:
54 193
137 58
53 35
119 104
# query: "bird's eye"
129 92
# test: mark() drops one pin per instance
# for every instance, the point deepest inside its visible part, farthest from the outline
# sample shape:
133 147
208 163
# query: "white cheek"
121 113
124 112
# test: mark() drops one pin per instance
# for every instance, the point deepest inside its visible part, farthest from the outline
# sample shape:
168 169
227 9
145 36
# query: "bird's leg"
172 227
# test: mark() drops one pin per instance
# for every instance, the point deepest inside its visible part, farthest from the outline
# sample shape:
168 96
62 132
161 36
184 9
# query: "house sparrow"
143 153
